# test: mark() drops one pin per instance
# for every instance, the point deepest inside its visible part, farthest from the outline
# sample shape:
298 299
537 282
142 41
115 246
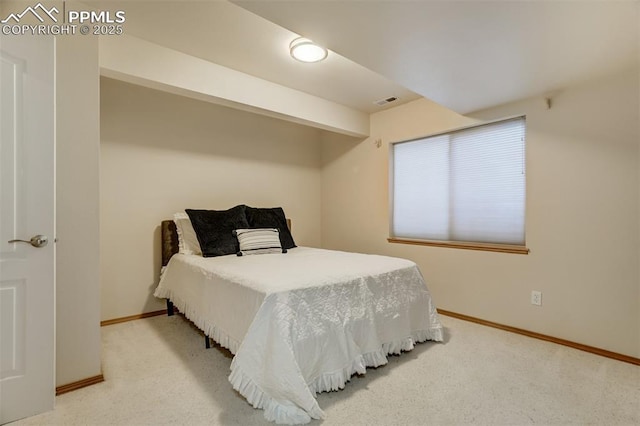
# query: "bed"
299 323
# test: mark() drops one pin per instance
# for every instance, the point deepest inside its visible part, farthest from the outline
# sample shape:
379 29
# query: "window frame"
468 245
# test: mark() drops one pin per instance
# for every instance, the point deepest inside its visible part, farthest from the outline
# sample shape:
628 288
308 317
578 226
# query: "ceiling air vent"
382 102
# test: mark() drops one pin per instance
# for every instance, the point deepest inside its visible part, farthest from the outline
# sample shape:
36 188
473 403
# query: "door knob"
36 241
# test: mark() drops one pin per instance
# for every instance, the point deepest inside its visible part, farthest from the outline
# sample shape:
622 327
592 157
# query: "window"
465 188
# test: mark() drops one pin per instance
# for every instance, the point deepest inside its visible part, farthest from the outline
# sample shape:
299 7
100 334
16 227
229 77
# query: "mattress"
302 322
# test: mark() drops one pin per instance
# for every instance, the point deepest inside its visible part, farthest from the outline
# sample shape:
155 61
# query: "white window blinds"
467 185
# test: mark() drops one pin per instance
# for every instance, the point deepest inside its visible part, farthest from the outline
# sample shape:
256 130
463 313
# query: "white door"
27 197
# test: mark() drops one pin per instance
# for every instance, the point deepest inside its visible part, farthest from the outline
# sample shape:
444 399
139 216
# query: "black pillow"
271 218
214 229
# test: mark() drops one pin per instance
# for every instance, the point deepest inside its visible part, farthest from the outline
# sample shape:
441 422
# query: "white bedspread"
302 322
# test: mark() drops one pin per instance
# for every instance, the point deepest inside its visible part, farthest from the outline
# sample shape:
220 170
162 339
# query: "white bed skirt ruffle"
201 322
288 413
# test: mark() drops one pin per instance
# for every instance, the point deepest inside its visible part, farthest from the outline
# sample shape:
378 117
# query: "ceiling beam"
137 61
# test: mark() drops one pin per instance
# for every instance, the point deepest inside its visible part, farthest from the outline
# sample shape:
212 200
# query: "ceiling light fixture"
304 50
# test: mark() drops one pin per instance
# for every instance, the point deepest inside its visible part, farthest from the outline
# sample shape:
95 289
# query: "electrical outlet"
536 297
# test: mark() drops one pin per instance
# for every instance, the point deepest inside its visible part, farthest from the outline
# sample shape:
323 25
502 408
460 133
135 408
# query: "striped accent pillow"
259 241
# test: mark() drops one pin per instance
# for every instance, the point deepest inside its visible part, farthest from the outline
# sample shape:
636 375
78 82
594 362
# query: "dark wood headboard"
169 238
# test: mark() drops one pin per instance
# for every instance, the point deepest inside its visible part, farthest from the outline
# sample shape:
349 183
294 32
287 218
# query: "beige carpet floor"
157 372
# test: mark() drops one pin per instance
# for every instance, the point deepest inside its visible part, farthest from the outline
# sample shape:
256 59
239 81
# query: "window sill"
500 248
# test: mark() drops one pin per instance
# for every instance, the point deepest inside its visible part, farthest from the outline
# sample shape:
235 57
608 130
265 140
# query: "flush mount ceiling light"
304 50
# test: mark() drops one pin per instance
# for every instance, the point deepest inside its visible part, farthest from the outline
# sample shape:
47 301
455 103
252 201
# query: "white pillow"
259 241
187 239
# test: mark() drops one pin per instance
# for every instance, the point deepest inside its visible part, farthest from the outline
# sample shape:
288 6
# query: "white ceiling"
469 55
228 35
465 55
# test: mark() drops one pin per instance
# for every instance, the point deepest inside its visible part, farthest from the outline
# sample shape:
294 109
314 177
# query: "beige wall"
582 215
162 153
77 208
